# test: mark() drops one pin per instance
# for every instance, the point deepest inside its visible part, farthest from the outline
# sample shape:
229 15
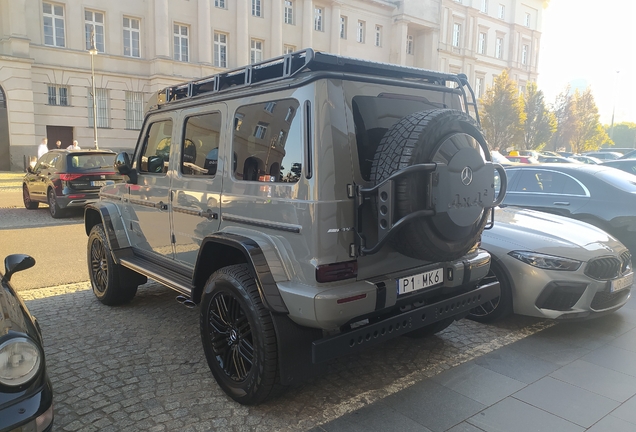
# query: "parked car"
629 155
565 153
597 194
549 153
532 153
283 198
604 155
66 179
26 394
550 266
587 159
627 165
556 159
522 159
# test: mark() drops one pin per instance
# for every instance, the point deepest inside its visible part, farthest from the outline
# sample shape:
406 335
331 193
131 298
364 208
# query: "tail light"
70 177
336 271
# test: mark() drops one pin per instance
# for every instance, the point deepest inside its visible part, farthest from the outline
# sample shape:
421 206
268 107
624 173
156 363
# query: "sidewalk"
569 377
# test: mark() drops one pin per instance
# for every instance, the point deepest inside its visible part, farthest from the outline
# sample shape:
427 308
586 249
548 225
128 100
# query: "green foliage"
502 114
540 124
564 117
588 133
623 136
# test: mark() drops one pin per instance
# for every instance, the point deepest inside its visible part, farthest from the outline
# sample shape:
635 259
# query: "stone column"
163 29
205 32
335 27
242 33
398 46
276 48
308 23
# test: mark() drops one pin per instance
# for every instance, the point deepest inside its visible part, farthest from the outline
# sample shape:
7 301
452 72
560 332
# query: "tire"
238 336
54 208
106 276
498 307
430 329
444 136
26 198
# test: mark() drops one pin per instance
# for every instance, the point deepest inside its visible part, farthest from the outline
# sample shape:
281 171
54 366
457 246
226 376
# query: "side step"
161 274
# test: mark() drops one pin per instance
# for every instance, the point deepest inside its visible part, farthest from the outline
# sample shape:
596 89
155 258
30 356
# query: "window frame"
481 42
131 30
58 95
319 16
288 49
378 35
457 34
410 43
53 16
257 8
134 110
343 27
99 45
178 56
502 12
103 109
254 50
288 12
142 151
183 139
484 6
527 20
220 4
499 47
360 31
218 45
525 51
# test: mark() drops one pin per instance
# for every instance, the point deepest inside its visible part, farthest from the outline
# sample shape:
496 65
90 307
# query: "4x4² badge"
467 176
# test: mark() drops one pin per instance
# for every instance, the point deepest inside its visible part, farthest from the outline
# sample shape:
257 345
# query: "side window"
572 187
45 161
156 150
200 151
268 142
529 181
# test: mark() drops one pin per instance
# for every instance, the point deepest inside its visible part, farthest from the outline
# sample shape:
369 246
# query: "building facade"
143 46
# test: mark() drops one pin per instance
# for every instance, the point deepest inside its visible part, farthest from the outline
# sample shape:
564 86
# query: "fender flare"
109 216
254 257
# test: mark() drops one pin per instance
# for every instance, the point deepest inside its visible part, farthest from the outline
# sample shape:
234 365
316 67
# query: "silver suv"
311 205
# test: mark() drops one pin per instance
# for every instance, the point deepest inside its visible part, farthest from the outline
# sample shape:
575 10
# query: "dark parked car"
555 159
597 194
629 155
604 155
65 179
26 395
627 165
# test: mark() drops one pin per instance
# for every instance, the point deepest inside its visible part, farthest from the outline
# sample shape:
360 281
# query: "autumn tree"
623 135
562 111
588 133
502 114
540 123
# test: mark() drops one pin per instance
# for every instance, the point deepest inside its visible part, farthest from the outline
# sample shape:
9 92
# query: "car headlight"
19 361
547 262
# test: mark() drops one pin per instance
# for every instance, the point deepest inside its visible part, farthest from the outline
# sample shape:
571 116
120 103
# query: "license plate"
420 281
102 182
622 283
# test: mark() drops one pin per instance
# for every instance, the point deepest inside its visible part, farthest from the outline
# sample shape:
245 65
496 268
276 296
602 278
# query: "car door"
198 180
38 181
147 213
547 190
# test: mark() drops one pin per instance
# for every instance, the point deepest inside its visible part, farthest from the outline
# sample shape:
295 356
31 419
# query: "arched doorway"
5 159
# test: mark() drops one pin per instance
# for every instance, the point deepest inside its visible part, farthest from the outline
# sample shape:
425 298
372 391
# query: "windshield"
620 179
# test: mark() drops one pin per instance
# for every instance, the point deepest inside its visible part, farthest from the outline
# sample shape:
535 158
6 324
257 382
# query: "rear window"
620 179
83 162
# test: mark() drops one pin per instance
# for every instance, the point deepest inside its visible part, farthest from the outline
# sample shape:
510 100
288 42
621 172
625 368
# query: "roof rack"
289 65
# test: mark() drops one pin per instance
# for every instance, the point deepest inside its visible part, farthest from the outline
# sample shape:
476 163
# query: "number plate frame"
420 281
621 283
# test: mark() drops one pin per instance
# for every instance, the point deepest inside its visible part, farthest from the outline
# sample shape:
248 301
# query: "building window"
482 43
527 21
220 4
269 107
256 51
220 50
261 130
53 24
318 12
484 6
288 49
499 48
134 110
378 35
181 43
502 11
343 27
58 95
289 12
131 37
524 55
101 97
409 44
479 87
257 10
457 30
94 22
522 89
360 32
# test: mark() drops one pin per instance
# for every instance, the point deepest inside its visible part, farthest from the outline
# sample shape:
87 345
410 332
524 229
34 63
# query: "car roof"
565 167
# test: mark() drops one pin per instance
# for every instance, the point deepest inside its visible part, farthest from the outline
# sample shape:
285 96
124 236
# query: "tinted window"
156 150
572 187
87 162
529 182
268 145
200 148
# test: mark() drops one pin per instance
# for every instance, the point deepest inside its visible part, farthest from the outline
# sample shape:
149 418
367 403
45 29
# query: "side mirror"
15 263
30 169
124 167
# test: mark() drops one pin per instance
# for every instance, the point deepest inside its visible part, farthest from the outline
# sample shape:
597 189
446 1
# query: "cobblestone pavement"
141 367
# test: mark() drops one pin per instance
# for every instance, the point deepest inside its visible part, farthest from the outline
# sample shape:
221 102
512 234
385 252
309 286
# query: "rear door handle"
161 205
562 203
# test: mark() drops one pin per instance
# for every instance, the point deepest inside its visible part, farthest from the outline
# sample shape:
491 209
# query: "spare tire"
462 186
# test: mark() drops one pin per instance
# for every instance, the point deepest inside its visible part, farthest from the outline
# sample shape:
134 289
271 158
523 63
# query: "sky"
584 43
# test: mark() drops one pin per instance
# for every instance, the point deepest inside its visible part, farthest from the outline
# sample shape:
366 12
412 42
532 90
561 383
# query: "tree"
588 133
540 123
624 135
502 114
562 111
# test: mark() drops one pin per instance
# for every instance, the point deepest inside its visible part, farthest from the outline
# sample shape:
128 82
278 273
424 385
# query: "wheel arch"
507 274
113 225
222 249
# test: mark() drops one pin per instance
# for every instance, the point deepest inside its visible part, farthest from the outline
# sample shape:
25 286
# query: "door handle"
561 203
209 214
161 205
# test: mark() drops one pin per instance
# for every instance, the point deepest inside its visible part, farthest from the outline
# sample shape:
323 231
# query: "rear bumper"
88 198
372 334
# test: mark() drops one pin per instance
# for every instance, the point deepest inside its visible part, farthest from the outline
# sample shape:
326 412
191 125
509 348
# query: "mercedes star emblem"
467 176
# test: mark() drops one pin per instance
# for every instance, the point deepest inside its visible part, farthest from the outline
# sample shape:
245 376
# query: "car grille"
559 296
609 267
605 300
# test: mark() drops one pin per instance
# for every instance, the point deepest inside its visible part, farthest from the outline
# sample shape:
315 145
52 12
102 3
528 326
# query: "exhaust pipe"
186 302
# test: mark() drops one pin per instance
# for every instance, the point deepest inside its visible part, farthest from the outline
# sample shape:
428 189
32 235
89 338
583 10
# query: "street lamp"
93 53
614 106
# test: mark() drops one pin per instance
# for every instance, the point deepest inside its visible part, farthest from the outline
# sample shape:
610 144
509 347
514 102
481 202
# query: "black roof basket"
288 65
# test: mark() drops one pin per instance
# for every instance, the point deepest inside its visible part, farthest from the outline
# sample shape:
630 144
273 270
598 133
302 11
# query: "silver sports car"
553 267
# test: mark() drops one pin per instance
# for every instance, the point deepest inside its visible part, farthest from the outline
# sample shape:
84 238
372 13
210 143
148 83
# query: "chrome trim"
263 224
587 191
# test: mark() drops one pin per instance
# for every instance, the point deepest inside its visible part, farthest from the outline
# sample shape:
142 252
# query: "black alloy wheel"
54 209
98 266
498 307
26 198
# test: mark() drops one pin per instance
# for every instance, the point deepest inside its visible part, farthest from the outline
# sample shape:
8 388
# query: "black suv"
312 205
66 179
